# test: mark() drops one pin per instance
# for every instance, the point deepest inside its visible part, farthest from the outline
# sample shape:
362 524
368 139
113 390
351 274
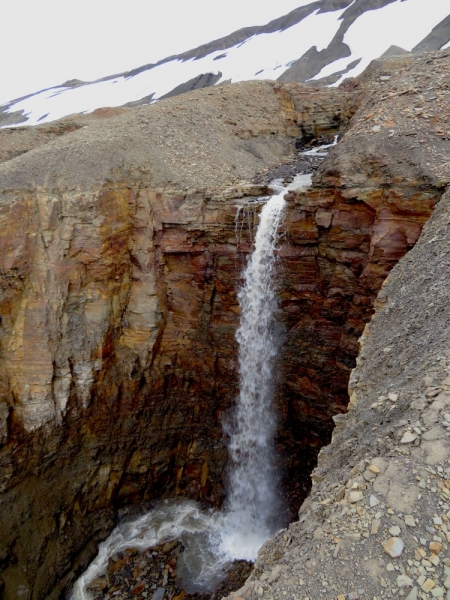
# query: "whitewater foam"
253 507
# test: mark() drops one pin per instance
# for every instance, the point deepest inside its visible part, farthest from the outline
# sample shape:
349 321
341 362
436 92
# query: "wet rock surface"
287 172
297 165
152 574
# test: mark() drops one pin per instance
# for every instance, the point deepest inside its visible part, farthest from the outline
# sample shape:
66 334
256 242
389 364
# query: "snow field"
265 56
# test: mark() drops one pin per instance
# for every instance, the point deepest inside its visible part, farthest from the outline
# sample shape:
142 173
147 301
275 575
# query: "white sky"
45 42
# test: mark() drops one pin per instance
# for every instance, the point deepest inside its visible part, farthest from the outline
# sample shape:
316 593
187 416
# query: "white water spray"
253 506
321 151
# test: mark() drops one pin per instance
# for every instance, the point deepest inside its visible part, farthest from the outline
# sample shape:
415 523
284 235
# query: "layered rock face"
120 262
368 204
119 272
344 242
384 478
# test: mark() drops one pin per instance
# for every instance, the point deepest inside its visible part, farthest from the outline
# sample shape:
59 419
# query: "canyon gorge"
120 264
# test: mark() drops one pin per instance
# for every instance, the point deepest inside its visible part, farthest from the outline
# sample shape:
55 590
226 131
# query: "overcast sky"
46 42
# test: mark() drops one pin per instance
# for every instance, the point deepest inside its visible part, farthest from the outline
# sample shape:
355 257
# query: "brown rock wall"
319 112
340 252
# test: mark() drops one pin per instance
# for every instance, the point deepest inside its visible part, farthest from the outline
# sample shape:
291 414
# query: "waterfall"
253 507
253 510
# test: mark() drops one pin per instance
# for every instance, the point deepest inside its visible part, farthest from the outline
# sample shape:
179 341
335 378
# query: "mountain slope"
320 42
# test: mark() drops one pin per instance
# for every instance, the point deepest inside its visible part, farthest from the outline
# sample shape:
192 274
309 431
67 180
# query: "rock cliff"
375 524
119 268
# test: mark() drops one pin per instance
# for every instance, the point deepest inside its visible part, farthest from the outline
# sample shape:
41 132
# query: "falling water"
321 151
253 506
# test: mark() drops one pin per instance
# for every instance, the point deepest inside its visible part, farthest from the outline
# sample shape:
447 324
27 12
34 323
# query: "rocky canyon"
123 238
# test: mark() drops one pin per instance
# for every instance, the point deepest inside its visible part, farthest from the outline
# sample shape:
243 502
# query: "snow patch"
402 24
267 55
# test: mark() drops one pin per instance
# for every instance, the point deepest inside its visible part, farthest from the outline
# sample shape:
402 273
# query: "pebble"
408 437
428 585
394 531
393 546
435 547
355 497
168 546
373 501
404 581
368 475
159 594
410 521
340 494
412 594
434 560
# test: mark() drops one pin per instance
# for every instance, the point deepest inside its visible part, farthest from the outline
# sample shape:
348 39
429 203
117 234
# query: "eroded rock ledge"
119 269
